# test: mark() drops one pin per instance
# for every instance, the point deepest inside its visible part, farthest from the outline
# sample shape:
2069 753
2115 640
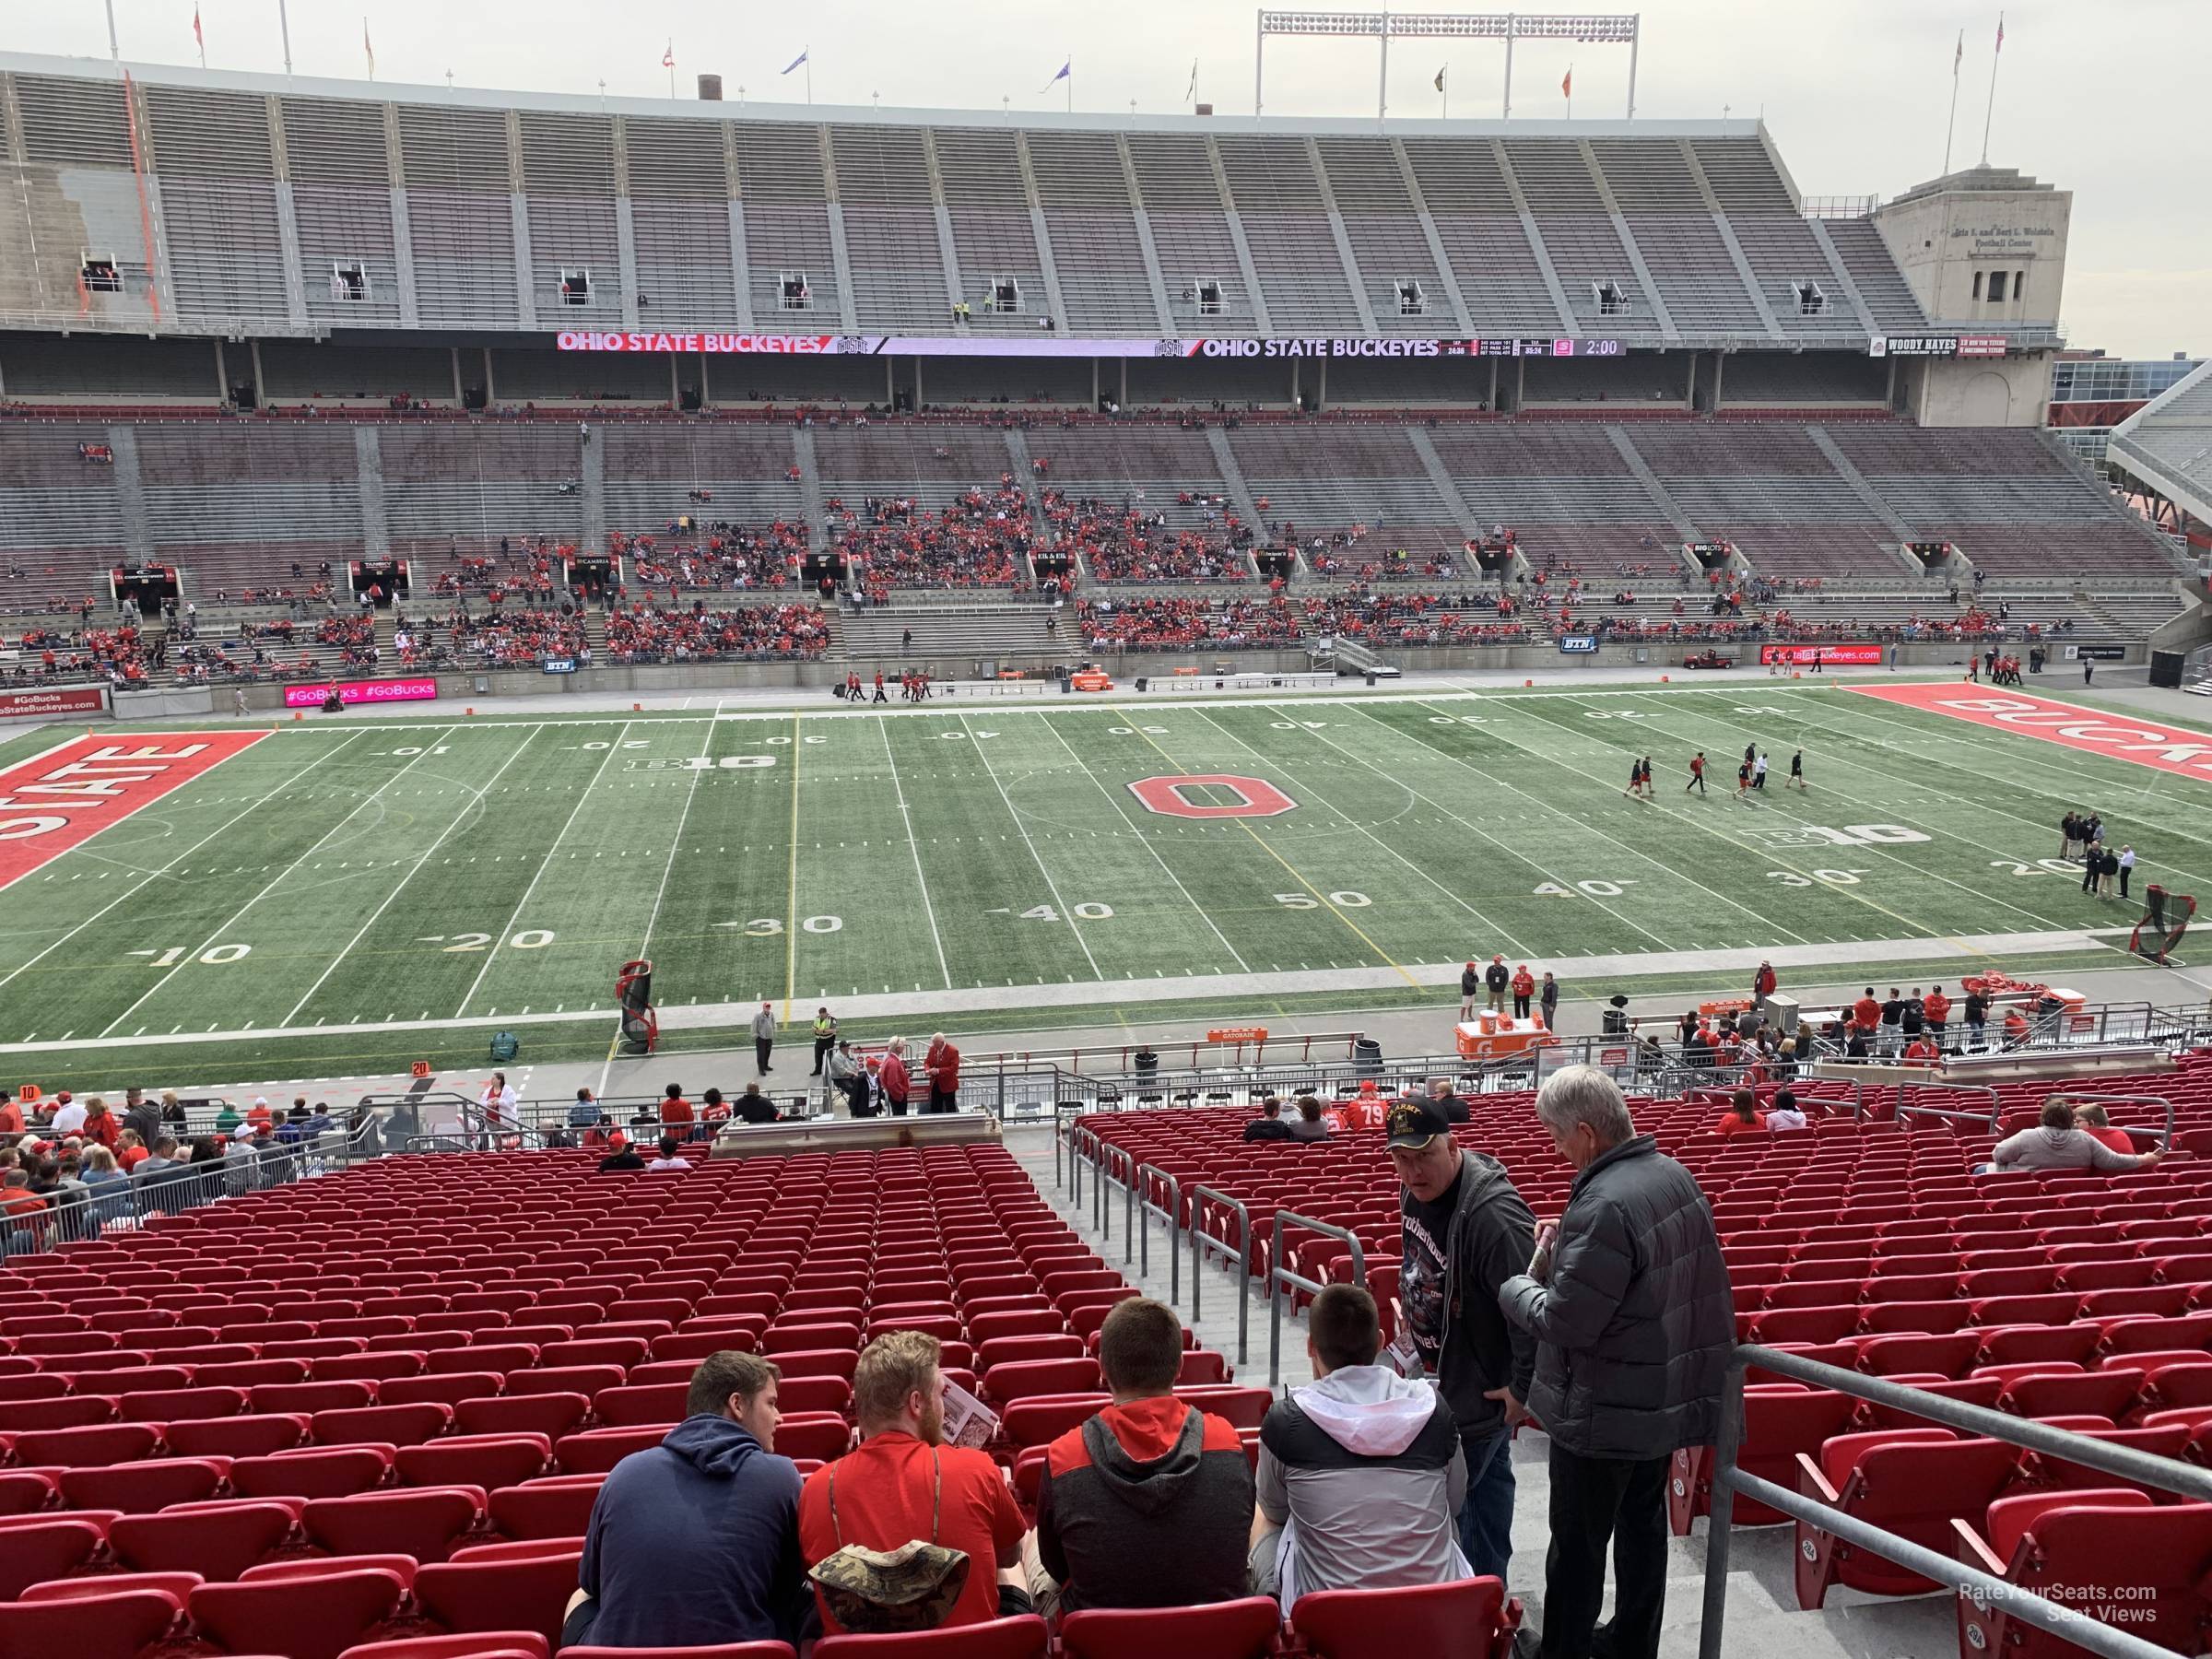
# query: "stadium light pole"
284 28
114 47
1596 29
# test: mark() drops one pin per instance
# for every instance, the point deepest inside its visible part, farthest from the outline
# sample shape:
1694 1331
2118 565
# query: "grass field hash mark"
1379 842
2035 916
1166 869
265 890
394 892
153 875
499 939
1066 913
683 816
1268 847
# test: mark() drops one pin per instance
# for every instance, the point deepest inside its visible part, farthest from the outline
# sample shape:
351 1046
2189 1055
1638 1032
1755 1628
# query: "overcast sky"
1854 91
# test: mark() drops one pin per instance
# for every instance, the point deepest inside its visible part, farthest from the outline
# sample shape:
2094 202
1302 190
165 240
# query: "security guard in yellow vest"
825 1037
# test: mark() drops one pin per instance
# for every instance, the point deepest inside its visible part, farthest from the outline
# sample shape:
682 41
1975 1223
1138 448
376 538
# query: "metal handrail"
2124 1463
1990 1122
1111 1155
2165 1136
1171 1214
1203 1242
1278 1276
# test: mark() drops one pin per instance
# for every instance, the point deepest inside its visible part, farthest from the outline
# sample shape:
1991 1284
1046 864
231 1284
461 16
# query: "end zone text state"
2166 748
63 798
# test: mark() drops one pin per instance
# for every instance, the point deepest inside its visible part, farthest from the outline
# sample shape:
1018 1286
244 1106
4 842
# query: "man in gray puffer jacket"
1628 1298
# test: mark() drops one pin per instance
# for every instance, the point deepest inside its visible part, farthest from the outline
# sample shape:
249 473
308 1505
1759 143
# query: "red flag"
1567 84
668 57
2000 31
195 28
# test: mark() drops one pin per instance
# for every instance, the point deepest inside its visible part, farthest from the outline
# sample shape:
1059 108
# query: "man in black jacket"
1269 1124
1496 978
1464 1230
1470 984
1628 1298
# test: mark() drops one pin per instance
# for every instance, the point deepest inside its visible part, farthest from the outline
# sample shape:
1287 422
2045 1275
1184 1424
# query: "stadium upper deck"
248 206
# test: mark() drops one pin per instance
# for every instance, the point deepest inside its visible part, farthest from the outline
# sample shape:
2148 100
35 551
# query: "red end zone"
63 798
2174 749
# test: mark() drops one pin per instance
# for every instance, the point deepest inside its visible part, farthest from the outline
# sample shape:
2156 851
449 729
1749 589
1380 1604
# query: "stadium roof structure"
197 202
2168 444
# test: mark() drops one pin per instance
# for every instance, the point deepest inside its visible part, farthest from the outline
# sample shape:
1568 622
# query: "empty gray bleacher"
980 170
1145 466
787 226
857 460
1183 201
680 222
652 471
890 230
1278 200
1385 234
1085 195
1330 479
1874 272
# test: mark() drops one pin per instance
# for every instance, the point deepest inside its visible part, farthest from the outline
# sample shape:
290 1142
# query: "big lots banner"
2174 749
63 798
1825 652
361 691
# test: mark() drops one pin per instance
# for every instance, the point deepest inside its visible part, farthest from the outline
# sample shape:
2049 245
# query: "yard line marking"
1916 869
1114 801
791 898
1319 896
1547 873
499 942
682 818
914 847
2027 758
1518 947
394 890
1051 886
153 875
1719 834
1559 812
428 749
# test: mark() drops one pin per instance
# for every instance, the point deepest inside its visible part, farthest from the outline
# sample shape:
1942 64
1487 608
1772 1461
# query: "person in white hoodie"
1361 1473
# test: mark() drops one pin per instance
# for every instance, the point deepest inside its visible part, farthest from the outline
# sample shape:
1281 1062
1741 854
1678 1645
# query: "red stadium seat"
1234 1629
424 1522
251 1436
473 1592
45 1548
1022 1638
552 1415
1908 1481
217 1541
337 1472
1472 1616
557 1506
1778 1424
475 1644
275 1615
484 1461
144 1488
118 1623
2104 1548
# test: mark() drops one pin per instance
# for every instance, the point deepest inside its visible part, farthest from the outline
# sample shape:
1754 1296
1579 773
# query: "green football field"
446 879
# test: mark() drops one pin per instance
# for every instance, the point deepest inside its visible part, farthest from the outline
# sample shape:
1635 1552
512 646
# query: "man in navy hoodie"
694 1543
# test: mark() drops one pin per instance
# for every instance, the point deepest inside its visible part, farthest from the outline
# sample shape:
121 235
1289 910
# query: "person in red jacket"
675 1111
1922 1051
1743 1116
1936 1006
2091 1122
892 1081
1762 984
1525 987
942 1067
1867 1013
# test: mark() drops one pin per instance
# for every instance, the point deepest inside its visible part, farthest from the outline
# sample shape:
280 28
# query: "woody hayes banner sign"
1045 344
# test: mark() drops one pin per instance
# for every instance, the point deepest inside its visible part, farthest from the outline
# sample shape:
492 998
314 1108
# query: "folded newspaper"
968 1421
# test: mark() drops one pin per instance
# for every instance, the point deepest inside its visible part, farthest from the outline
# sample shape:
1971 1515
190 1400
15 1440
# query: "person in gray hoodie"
2056 1144
1464 1231
1361 1476
694 1542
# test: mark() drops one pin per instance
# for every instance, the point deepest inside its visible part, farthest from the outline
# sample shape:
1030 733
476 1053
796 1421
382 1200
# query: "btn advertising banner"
63 798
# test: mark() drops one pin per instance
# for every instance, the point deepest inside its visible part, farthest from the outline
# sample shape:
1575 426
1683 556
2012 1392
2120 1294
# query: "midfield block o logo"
1183 796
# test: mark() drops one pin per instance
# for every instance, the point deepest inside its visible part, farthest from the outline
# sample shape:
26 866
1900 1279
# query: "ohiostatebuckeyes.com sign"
361 691
1839 654
53 701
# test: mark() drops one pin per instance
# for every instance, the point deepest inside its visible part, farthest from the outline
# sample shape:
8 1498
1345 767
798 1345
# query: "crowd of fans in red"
1128 545
1285 620
980 541
731 557
47 656
642 634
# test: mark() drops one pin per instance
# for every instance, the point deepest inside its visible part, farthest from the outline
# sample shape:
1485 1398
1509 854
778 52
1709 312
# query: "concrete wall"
1976 392
1943 240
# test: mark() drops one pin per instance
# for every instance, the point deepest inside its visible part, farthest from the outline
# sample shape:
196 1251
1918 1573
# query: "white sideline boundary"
1962 948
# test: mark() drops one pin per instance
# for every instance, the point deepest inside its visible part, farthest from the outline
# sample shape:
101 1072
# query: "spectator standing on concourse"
1465 1231
825 1037
942 1066
902 1484
694 1542
1548 1001
764 1037
1495 977
1628 1298
1150 1502
892 1080
1362 1475
1524 990
1470 985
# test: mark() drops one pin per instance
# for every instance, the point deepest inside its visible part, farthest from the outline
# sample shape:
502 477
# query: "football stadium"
888 880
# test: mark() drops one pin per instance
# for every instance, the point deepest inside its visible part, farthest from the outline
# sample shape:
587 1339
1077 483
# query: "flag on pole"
1065 69
2000 31
1440 80
1191 91
1959 56
368 49
797 61
668 57
197 36
1567 83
